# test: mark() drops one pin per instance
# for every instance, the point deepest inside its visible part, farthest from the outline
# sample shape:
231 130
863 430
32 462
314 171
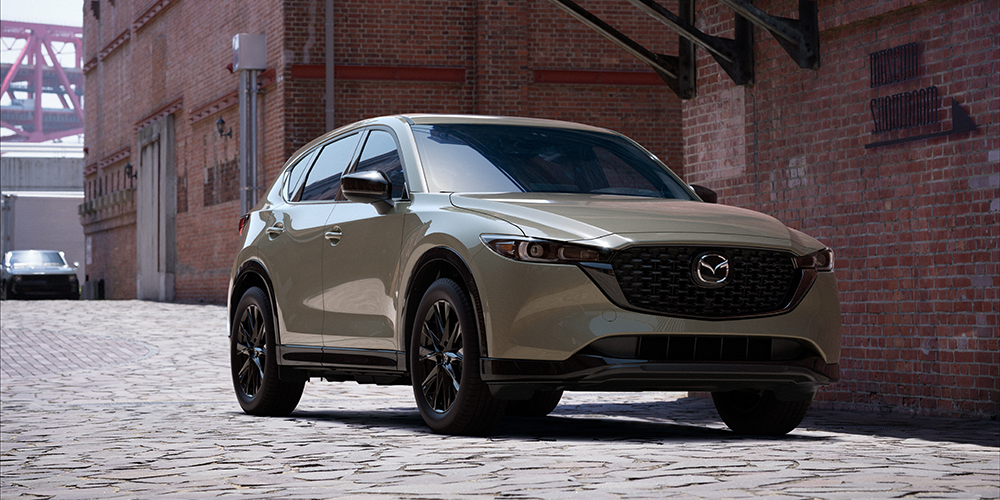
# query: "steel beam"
735 55
799 37
668 67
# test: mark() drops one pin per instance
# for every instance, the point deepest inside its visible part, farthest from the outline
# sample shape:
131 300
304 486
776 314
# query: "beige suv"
493 263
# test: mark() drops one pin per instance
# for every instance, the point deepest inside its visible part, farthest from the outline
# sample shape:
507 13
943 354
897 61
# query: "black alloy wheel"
444 364
259 388
759 412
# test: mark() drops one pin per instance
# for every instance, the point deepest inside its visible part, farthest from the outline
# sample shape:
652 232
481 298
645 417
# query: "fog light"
616 347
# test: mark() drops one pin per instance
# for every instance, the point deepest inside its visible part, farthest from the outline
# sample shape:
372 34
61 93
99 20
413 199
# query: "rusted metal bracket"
676 71
799 37
734 55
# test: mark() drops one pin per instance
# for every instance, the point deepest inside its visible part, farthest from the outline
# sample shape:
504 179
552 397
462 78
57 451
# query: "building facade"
913 221
160 85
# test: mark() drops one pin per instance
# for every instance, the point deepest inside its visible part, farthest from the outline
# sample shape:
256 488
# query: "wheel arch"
250 274
436 263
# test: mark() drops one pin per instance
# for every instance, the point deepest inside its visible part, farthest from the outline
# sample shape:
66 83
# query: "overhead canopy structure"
38 73
799 37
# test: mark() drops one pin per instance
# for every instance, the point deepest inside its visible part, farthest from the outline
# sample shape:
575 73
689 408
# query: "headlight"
820 261
72 278
17 278
551 252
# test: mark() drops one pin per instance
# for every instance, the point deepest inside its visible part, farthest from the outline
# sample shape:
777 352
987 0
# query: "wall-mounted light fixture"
129 173
221 127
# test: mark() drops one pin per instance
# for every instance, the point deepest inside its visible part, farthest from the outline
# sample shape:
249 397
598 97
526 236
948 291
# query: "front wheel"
444 364
541 404
759 412
253 356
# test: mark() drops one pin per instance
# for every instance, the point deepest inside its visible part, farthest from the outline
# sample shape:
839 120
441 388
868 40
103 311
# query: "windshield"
462 158
25 258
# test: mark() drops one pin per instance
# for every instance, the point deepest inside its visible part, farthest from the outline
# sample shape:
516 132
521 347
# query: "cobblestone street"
131 399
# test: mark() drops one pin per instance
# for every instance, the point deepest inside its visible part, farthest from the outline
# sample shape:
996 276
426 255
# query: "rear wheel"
540 405
444 364
759 412
254 363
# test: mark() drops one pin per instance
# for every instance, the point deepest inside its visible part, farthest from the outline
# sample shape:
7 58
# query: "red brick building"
914 223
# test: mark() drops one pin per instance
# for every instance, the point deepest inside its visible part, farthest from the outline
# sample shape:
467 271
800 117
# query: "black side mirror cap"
372 187
706 195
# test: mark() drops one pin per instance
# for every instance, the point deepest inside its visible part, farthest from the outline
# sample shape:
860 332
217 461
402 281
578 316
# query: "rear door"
296 241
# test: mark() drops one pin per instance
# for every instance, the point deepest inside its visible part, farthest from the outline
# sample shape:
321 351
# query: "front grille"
45 280
659 279
684 348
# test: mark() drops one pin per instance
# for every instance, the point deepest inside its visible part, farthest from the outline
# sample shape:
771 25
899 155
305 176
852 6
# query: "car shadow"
600 423
686 419
700 411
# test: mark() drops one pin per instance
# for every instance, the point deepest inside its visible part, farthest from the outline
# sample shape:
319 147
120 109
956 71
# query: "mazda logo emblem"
710 270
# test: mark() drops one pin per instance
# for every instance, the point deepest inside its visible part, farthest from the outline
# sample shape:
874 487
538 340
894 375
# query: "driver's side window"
381 154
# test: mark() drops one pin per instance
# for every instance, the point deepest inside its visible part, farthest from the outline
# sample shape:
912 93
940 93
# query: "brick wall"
173 52
148 54
914 225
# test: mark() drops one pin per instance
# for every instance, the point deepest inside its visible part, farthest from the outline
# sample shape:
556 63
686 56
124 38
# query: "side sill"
325 357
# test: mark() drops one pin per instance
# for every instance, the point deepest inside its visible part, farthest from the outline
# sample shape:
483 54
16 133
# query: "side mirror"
372 187
706 195
76 264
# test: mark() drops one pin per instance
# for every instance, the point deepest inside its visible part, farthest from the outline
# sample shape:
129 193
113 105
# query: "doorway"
156 210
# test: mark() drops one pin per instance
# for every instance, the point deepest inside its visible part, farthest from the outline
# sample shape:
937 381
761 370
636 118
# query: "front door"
361 263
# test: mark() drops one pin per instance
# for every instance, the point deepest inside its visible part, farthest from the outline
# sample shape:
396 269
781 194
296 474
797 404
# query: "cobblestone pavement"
133 400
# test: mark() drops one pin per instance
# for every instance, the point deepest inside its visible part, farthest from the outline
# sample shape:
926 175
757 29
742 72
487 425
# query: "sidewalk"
131 399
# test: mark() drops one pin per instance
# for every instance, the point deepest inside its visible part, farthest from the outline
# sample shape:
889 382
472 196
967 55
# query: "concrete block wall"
915 226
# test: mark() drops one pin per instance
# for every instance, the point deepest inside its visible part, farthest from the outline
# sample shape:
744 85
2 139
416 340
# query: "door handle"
334 235
275 230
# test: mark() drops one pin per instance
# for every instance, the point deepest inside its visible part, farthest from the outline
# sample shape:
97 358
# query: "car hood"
40 270
619 220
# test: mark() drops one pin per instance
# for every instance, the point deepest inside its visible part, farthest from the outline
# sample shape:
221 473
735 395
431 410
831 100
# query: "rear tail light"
243 222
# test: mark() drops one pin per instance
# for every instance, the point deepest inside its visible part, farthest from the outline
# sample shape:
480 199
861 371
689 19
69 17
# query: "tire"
541 404
444 365
759 413
253 357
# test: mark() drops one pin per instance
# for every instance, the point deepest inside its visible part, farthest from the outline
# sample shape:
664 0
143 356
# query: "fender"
425 265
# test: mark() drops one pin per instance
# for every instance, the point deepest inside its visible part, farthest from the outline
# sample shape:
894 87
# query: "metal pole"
252 141
244 139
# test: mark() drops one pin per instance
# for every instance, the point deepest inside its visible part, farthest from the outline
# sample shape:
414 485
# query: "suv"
493 263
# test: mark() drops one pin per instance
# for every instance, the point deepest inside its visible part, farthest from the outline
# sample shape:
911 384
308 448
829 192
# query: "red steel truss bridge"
36 83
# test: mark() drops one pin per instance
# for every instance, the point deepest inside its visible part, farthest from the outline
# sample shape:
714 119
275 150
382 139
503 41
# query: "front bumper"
544 312
43 286
790 380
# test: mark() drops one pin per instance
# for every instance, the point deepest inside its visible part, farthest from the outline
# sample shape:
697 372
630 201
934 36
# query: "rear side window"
323 180
297 172
380 154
